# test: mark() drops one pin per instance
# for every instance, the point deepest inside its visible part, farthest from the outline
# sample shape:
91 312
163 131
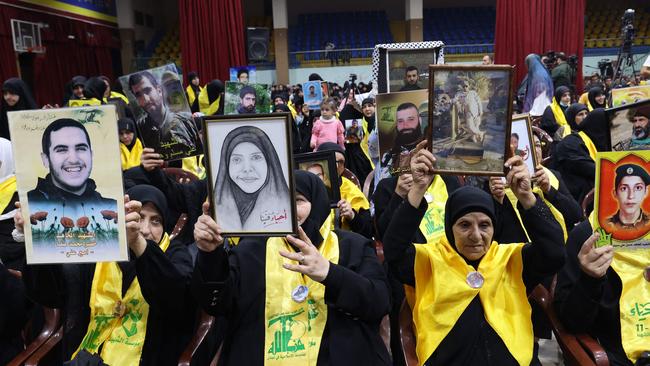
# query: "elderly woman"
250 181
313 300
130 313
470 305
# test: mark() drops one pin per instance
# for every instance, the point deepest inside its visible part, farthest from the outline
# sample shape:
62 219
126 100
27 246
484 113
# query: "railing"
337 56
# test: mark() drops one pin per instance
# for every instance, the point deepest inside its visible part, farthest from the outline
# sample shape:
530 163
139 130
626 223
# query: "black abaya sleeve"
214 281
386 202
362 223
549 124
45 284
545 255
398 247
565 203
361 290
164 276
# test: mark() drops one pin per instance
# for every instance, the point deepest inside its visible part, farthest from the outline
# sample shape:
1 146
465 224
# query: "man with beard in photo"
161 128
640 140
248 98
409 134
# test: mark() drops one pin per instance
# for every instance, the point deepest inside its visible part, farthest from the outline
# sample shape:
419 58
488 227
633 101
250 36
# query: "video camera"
551 59
627 27
606 68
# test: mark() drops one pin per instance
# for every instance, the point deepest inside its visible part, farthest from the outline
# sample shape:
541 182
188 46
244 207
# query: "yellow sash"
131 158
442 295
117 95
118 323
191 97
84 102
538 191
205 106
590 145
634 303
558 113
7 190
351 193
294 329
194 165
364 141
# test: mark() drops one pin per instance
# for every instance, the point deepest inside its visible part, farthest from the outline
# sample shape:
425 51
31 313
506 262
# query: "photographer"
562 73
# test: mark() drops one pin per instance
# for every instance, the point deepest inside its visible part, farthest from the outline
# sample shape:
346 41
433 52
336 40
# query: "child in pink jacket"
327 128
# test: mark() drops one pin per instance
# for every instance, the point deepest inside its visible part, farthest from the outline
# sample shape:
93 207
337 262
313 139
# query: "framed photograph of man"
353 130
250 174
405 66
522 142
401 121
633 94
70 186
621 200
470 121
247 98
243 74
628 126
162 114
312 94
323 164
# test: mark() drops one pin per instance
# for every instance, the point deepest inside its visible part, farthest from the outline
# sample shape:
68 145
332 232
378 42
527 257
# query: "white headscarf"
6 160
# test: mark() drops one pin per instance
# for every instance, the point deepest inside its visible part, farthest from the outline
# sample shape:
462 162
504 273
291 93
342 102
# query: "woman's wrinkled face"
10 98
247 167
473 234
151 223
303 208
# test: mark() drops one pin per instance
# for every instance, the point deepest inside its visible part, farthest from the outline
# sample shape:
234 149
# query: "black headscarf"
191 76
275 184
327 146
315 77
570 115
312 187
596 126
147 193
281 108
26 101
463 201
214 89
559 92
95 88
593 93
127 123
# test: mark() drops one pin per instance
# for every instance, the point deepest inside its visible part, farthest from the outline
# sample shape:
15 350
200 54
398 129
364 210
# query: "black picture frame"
214 139
334 188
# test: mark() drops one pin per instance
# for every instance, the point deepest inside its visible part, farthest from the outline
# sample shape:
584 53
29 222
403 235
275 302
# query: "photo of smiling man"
69 185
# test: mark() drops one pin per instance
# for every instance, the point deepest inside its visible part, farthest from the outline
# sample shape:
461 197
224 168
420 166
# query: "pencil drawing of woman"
251 192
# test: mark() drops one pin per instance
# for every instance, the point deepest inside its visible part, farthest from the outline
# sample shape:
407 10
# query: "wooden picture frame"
260 146
621 126
470 115
522 127
327 162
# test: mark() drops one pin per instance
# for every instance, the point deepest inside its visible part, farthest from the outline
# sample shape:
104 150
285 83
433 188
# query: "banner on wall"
104 10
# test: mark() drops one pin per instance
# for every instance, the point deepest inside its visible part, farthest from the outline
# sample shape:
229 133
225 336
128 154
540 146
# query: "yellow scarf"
364 141
84 102
7 190
118 323
590 145
351 193
294 329
559 114
538 191
114 95
194 165
131 158
205 106
442 295
634 303
191 97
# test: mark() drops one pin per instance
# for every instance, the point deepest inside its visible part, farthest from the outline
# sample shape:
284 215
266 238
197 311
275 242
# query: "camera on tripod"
606 69
627 27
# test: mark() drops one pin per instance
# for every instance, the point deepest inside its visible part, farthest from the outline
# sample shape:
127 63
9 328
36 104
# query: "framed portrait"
353 130
243 74
522 142
402 118
470 118
621 201
250 174
323 164
325 87
313 94
247 98
630 95
162 113
629 127
405 66
70 185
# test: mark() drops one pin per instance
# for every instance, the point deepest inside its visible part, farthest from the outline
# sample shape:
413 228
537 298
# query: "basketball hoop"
35 49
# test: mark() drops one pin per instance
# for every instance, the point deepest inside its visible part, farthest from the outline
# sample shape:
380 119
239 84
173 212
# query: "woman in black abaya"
15 97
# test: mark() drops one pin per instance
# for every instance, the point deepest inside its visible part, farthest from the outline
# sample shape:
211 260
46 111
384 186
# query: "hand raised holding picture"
206 231
151 160
518 179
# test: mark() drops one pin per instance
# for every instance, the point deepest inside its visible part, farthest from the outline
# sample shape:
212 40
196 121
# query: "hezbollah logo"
433 220
285 342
